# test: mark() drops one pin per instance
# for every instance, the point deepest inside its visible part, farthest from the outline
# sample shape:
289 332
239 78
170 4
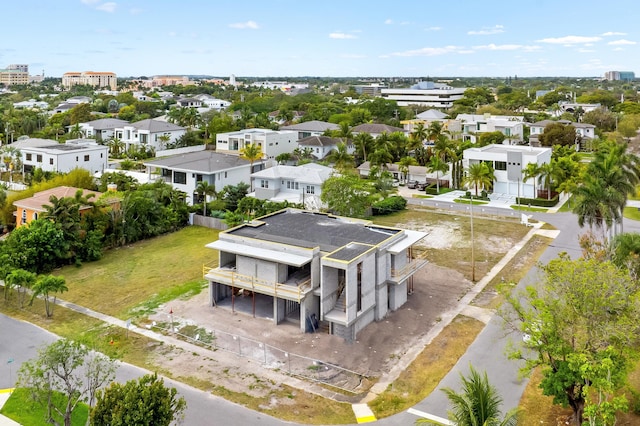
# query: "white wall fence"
178 151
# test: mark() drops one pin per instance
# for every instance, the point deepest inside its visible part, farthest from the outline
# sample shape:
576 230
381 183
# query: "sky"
324 38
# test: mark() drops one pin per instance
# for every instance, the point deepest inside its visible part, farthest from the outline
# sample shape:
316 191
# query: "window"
500 165
311 189
225 175
28 157
23 219
86 157
101 155
198 178
35 216
264 183
359 295
51 161
180 177
39 158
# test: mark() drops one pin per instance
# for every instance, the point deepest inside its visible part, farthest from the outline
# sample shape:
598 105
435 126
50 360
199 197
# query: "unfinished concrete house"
317 269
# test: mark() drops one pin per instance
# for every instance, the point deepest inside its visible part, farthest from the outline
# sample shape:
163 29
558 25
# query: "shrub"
389 205
540 202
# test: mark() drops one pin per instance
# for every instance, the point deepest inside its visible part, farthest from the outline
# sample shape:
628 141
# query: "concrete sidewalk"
5 421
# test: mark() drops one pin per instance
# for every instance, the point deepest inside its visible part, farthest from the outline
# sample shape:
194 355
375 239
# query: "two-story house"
153 133
51 156
508 161
585 132
311 128
271 142
185 171
345 272
102 129
296 184
471 125
321 146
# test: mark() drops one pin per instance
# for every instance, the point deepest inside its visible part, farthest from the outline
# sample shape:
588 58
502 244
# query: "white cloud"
618 49
107 7
507 47
621 42
388 21
341 36
428 51
497 29
570 40
251 25
433 28
583 50
613 33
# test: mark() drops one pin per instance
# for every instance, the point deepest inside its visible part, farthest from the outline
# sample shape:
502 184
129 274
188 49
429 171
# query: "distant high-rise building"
19 67
91 78
619 75
14 76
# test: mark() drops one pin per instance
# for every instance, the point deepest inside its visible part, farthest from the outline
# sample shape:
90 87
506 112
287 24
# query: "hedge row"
540 202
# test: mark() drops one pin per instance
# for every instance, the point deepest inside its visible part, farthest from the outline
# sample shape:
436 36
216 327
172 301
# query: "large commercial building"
14 75
425 93
619 75
91 78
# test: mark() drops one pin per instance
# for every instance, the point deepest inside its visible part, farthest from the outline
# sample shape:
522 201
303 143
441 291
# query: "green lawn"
632 213
466 201
142 275
421 196
524 208
23 410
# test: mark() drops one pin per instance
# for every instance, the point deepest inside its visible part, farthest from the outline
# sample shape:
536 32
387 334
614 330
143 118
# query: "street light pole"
473 259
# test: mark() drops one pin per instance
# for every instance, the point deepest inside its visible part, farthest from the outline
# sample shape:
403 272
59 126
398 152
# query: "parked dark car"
412 184
421 186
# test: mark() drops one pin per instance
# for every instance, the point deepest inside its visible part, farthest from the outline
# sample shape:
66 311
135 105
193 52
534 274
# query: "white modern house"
185 171
508 162
471 125
311 128
272 142
296 184
51 156
211 102
149 132
342 272
102 129
425 93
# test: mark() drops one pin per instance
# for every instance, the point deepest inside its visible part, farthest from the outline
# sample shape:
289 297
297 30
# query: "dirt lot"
436 291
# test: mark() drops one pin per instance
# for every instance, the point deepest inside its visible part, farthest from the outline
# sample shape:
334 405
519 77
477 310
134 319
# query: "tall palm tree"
46 285
205 189
116 146
364 142
597 204
418 135
437 165
341 158
344 132
22 279
480 175
251 152
532 171
76 131
478 403
435 130
444 148
403 166
547 172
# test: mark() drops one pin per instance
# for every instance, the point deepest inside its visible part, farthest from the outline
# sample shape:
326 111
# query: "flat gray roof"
205 162
306 229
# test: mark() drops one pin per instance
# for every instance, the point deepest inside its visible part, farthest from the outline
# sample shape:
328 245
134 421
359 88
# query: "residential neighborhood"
389 223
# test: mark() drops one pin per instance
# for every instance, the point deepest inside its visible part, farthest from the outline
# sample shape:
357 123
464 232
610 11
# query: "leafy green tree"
478 403
80 114
38 247
488 138
603 119
581 321
403 166
558 134
69 368
232 194
45 286
341 158
348 195
143 402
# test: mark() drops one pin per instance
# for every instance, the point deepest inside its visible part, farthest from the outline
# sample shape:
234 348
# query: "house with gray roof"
185 171
321 146
585 132
150 133
375 129
295 184
316 269
102 129
311 128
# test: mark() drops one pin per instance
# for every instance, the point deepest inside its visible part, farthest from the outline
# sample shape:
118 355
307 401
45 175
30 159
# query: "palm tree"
403 166
478 404
340 157
479 175
76 131
164 140
418 136
597 204
205 189
547 173
532 171
437 165
444 148
363 143
115 146
251 152
22 279
344 132
46 285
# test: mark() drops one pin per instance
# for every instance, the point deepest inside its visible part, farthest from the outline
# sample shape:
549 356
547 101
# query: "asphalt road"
20 341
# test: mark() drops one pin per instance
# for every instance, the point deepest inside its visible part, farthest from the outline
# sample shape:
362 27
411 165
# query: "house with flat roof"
508 161
585 132
317 268
185 171
51 156
472 125
311 128
271 142
295 184
425 93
